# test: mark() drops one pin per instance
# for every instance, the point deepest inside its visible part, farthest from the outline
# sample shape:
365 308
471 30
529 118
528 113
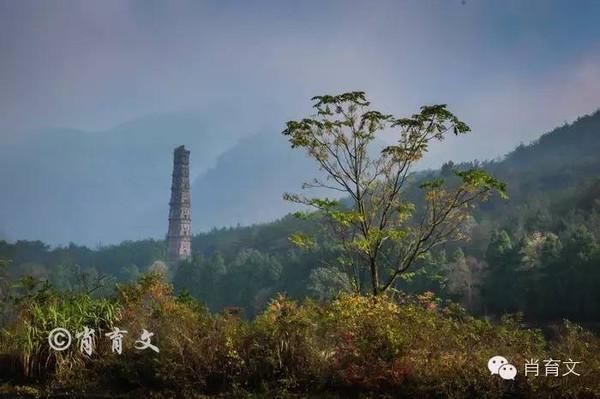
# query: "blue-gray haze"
95 95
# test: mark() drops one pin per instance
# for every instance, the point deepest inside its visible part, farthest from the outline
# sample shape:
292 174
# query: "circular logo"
59 339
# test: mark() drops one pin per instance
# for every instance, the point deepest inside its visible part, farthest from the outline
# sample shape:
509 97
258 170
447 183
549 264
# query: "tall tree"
499 291
380 230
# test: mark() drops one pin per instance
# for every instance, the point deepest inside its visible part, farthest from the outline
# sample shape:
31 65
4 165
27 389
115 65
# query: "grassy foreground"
353 346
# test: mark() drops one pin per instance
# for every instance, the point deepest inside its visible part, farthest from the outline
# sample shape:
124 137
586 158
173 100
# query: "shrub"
283 346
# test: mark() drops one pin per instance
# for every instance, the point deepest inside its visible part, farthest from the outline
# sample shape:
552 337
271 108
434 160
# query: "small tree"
379 229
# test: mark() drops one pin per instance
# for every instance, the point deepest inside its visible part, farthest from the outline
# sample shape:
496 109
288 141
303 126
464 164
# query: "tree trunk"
374 277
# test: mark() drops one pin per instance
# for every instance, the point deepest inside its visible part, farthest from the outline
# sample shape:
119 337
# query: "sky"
511 69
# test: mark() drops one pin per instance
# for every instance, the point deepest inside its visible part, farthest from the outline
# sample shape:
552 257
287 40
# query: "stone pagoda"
179 237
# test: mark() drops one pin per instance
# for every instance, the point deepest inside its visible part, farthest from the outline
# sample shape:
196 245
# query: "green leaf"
479 178
302 240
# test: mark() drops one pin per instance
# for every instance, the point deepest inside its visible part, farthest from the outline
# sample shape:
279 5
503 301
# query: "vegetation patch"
351 346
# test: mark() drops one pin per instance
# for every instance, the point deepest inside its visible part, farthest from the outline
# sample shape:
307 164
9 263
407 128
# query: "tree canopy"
380 229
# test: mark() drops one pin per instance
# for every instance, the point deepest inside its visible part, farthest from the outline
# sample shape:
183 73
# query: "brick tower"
179 237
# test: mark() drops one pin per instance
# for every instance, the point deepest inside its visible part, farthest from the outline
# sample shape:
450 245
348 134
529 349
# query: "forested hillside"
537 252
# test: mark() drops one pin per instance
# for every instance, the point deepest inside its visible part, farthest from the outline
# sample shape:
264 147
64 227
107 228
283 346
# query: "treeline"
544 275
547 275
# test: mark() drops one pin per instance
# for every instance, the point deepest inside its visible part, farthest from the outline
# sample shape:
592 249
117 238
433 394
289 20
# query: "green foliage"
327 283
37 312
381 237
302 240
479 178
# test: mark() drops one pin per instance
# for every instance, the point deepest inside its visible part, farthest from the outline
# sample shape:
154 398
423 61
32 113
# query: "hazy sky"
511 69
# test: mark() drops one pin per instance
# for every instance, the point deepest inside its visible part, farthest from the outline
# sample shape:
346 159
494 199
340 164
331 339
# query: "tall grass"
37 314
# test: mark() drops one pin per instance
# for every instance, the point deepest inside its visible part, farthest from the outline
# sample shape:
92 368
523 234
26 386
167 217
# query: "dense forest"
536 253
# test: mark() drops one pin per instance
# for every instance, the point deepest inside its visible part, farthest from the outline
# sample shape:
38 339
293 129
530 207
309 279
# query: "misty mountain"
565 158
64 185
247 183
554 177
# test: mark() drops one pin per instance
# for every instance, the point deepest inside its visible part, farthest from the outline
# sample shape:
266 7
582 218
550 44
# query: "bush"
284 347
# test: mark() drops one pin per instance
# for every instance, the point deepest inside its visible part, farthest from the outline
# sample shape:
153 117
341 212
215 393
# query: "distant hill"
555 175
64 185
558 170
247 183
